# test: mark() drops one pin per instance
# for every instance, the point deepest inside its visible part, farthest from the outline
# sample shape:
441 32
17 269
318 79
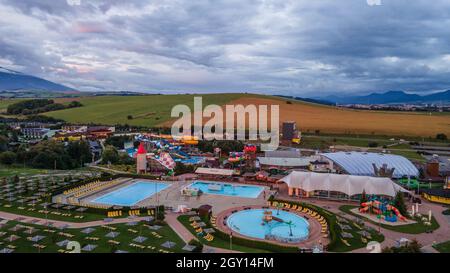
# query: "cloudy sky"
291 47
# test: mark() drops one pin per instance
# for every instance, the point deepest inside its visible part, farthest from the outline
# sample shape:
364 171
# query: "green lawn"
443 247
324 141
23 245
149 110
416 228
217 242
87 217
7 171
411 155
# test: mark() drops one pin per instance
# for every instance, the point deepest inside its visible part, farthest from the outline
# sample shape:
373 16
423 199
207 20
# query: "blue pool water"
250 223
131 194
191 160
228 189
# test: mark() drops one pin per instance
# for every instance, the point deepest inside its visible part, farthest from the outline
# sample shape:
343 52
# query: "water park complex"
180 198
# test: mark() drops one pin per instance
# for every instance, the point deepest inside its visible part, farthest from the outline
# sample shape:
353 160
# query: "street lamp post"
231 241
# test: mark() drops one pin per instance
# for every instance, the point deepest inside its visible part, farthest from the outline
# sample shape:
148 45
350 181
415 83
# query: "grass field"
149 111
154 110
5 102
7 171
312 117
443 247
125 237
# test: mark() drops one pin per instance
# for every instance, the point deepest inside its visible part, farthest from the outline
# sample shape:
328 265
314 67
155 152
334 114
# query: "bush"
399 203
372 144
181 168
160 215
441 136
198 246
7 158
110 155
412 247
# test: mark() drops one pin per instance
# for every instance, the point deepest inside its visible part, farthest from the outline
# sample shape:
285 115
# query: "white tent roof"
214 171
348 184
358 163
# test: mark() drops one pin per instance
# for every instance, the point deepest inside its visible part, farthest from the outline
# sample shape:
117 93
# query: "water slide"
364 209
166 160
397 213
277 219
183 154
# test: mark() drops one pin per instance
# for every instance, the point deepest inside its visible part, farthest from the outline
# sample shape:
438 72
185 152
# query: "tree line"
36 106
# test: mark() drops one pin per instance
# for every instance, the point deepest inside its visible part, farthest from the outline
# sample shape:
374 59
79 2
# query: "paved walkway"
107 169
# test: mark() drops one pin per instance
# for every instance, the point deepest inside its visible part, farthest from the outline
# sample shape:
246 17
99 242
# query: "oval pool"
284 226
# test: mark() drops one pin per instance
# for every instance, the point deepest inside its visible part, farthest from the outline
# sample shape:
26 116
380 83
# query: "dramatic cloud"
292 47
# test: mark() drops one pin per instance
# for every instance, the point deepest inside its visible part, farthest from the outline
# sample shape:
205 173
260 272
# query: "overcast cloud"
287 47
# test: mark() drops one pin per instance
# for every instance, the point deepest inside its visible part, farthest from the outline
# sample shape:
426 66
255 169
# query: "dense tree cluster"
36 106
181 168
49 155
225 145
118 141
111 155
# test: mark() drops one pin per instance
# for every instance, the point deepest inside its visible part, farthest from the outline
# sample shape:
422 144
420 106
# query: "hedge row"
256 244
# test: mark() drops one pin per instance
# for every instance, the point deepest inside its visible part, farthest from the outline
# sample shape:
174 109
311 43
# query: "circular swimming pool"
270 224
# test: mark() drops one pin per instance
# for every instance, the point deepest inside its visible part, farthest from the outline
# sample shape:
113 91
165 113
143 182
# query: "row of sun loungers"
90 188
199 230
308 211
109 227
116 213
134 212
208 237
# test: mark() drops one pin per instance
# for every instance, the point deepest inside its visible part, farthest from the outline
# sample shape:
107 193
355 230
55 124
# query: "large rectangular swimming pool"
131 194
246 191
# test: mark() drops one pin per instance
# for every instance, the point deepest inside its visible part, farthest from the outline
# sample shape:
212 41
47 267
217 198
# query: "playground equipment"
248 153
383 209
236 157
268 217
188 191
250 149
409 183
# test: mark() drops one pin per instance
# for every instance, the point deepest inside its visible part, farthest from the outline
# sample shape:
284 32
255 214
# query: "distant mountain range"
17 84
389 97
13 81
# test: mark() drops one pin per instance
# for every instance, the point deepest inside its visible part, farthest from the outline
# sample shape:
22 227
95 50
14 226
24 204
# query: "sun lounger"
345 242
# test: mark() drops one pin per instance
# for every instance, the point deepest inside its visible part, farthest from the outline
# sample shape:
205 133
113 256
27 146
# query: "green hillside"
149 110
